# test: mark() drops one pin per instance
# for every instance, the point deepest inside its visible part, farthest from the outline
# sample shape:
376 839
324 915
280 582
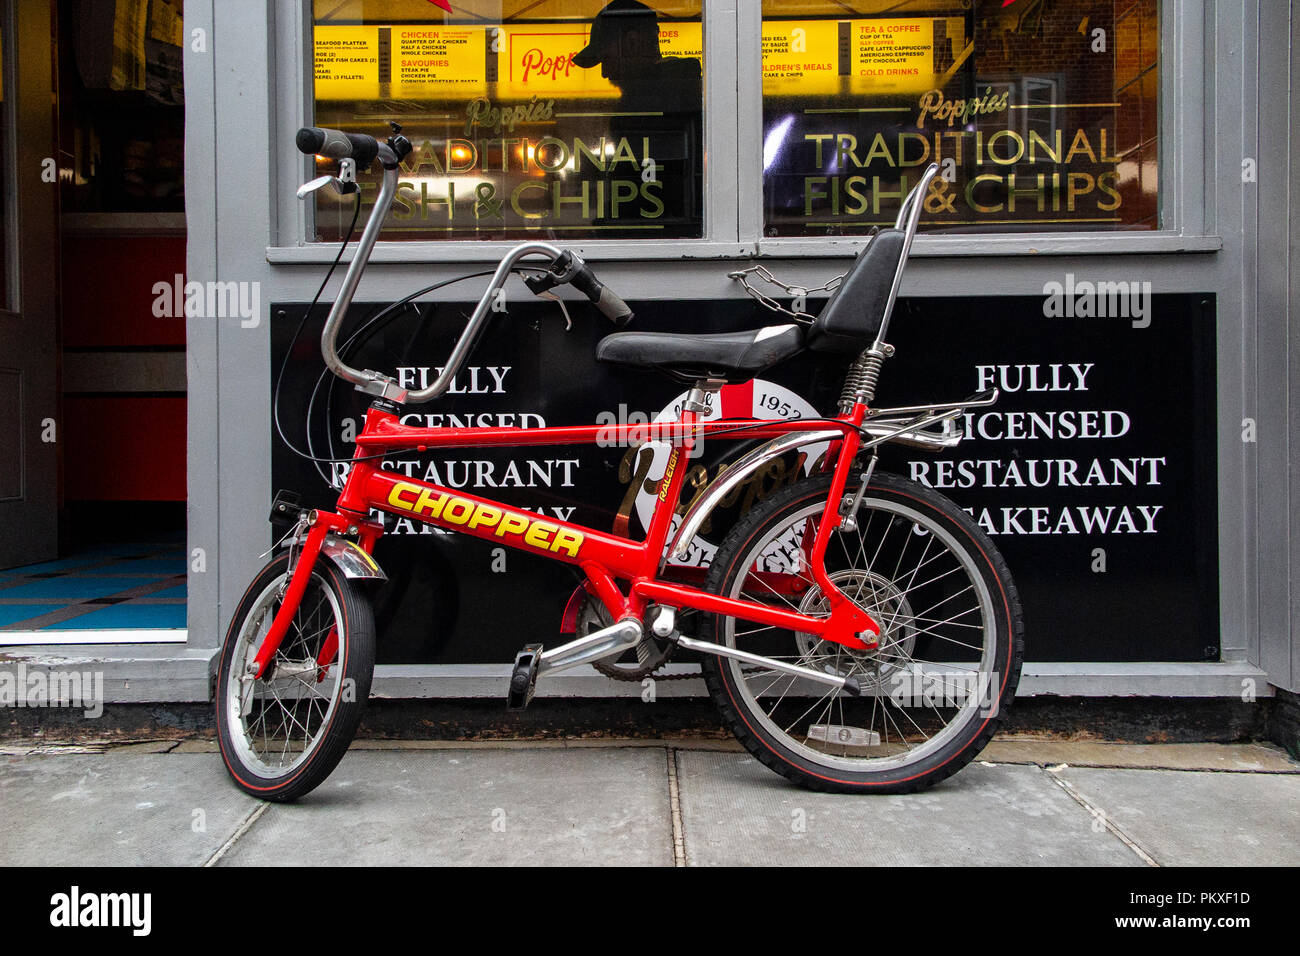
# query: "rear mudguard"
737 472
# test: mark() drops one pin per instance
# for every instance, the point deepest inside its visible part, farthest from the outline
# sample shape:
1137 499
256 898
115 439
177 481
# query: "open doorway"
98 388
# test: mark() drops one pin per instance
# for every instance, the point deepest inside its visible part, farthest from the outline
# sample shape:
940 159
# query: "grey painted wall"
1293 356
1225 68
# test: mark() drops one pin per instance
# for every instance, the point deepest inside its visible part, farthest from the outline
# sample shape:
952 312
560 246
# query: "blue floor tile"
127 617
13 613
71 588
101 553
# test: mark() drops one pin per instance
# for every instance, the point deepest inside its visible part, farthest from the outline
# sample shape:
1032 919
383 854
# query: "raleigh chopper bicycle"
858 632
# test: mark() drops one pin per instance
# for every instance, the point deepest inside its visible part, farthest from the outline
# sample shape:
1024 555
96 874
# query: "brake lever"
344 183
320 182
568 322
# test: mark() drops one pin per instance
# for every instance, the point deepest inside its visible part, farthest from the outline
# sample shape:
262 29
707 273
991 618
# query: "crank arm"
607 642
847 684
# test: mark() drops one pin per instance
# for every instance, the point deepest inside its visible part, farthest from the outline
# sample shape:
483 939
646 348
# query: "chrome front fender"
733 475
349 557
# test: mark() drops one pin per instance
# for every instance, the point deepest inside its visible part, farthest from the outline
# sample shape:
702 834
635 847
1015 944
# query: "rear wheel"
281 735
949 651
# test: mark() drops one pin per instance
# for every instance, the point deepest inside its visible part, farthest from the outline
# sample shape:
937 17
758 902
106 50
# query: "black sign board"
1095 473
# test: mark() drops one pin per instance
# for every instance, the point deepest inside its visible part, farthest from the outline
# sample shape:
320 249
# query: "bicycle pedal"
523 679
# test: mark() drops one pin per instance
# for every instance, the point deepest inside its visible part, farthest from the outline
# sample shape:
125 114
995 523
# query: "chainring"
651 653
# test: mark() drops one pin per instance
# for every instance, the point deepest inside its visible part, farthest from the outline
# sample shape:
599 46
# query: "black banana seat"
724 356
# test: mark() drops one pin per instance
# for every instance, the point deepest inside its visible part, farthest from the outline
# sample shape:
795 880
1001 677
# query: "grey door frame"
29 332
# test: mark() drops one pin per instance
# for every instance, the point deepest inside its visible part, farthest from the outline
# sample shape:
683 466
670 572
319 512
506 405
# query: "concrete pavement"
652 803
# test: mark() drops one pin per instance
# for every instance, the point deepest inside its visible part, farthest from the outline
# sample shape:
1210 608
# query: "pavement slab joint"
667 802
1099 815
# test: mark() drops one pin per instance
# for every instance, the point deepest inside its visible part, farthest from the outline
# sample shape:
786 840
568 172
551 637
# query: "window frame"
11 299
733 136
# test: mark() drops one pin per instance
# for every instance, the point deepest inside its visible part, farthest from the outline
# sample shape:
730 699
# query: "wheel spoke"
908 571
289 708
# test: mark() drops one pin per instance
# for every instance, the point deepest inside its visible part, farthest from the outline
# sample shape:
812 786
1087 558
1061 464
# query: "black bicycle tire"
357 656
948 759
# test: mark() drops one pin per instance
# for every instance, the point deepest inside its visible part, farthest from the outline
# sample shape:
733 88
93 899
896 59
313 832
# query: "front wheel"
282 734
950 646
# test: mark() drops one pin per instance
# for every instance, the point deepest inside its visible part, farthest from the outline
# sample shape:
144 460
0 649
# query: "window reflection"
560 118
1041 113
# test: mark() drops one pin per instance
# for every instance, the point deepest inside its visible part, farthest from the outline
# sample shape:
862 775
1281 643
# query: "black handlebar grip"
614 308
601 296
338 145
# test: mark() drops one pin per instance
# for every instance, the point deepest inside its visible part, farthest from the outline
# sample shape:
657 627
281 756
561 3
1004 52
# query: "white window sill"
1065 244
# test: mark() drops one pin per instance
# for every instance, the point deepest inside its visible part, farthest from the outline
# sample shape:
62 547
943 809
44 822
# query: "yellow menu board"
453 62
682 39
536 60
431 62
800 57
347 63
893 56
877 56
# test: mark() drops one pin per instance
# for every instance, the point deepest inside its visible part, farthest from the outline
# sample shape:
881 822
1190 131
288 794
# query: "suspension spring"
860 382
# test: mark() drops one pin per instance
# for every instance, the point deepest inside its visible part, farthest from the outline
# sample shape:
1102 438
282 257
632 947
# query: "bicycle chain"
614 672
591 614
792 290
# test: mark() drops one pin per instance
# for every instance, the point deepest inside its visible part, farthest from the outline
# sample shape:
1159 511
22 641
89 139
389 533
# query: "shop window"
571 119
1042 115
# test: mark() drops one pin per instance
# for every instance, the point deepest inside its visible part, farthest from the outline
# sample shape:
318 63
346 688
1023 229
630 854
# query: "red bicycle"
858 632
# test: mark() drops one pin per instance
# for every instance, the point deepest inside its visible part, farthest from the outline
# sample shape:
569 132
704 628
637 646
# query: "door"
29 262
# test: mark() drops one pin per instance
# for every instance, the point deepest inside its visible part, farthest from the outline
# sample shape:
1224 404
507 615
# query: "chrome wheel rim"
276 724
933 672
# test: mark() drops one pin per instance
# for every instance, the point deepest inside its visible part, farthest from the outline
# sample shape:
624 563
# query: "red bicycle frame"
604 558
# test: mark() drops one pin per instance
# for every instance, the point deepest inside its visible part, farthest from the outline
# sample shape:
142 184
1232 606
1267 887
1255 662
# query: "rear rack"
911 424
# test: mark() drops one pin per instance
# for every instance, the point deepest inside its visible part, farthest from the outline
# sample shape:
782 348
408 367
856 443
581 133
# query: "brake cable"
367 329
387 314
279 379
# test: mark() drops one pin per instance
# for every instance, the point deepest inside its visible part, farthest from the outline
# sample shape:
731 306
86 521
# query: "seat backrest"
852 315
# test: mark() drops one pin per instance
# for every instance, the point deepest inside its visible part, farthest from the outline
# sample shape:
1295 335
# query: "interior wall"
123 370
